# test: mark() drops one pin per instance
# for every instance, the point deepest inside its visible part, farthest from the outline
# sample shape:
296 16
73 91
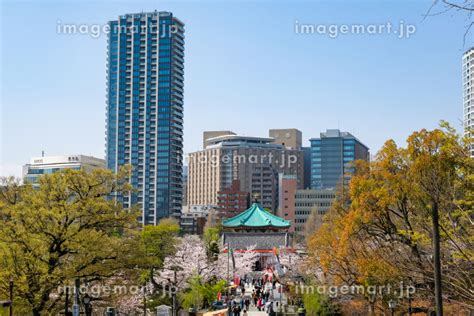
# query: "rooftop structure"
232 140
256 217
39 166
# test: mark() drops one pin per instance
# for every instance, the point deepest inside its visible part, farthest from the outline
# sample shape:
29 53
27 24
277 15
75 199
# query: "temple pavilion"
256 226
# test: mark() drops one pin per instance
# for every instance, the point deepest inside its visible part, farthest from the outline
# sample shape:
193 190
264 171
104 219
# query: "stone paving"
253 309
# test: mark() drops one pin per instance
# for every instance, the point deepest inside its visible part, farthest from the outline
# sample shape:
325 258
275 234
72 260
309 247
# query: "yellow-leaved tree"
380 230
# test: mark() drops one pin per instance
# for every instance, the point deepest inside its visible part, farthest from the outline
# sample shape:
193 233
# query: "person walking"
267 307
270 309
259 304
236 310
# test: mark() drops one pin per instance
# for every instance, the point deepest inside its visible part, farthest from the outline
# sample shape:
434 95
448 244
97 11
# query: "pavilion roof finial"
255 197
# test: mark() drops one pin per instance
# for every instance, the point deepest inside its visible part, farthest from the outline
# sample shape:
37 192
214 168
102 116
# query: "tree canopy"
379 231
67 228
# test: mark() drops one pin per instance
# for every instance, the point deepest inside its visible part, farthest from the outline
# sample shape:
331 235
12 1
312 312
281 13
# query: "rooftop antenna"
42 153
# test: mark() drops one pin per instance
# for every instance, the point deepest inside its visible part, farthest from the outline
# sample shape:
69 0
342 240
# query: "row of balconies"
179 38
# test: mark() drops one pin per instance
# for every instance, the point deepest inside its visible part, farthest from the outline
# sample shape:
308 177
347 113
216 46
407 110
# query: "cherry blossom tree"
291 261
190 259
132 303
244 261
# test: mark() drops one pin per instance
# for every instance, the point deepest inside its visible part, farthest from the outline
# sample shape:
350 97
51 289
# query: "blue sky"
245 70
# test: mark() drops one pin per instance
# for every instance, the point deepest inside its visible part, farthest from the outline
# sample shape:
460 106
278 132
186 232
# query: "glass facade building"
331 158
40 166
144 125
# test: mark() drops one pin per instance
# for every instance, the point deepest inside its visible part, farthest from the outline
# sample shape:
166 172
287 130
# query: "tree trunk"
437 260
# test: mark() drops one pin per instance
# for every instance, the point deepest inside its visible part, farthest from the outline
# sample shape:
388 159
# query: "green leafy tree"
158 242
193 296
68 228
202 294
319 305
211 241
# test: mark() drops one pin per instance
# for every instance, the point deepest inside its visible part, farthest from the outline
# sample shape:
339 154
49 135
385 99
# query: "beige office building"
288 137
230 157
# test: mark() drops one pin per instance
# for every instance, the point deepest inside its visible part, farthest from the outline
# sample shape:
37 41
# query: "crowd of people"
261 298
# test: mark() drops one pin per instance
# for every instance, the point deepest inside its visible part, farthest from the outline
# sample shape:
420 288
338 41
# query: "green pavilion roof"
256 216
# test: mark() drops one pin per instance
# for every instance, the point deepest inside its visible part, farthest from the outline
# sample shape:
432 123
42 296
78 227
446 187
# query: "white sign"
163 310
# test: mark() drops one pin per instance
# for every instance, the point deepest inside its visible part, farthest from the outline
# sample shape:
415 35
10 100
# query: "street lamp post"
66 302
11 296
75 307
392 305
87 304
228 268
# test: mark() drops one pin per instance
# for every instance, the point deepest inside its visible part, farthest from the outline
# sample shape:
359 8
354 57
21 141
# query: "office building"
211 134
331 158
309 202
232 201
192 224
290 138
232 157
51 164
144 126
307 167
193 220
287 193
468 91
264 185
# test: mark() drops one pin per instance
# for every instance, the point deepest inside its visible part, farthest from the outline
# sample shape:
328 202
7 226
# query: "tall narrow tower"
468 92
144 125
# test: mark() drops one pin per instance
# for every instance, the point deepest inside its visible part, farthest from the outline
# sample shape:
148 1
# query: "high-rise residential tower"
144 127
468 91
331 158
